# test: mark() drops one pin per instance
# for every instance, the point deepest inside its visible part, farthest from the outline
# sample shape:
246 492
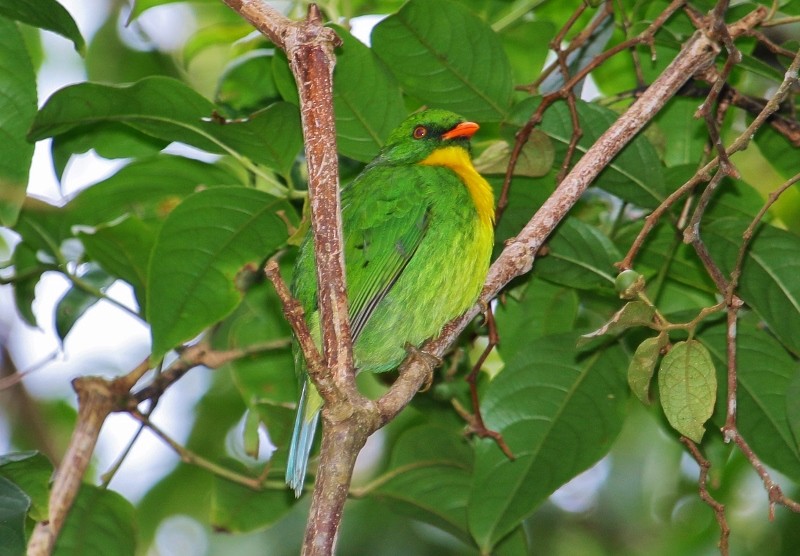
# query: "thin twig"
705 495
189 457
475 419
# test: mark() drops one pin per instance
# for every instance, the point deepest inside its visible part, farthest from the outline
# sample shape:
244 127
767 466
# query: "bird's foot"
428 359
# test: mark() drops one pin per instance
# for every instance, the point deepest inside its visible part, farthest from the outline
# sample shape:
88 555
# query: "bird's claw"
430 361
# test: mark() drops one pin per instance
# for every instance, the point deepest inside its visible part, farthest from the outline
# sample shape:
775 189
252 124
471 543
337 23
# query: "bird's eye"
420 132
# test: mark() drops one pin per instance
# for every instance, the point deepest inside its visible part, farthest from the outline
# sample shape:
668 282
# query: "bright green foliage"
14 504
189 289
17 109
99 522
598 367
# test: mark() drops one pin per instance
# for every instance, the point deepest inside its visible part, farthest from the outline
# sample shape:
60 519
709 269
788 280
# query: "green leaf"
32 472
643 365
542 309
247 84
684 136
17 110
687 385
147 189
45 14
100 522
542 403
14 505
793 407
767 377
366 100
109 140
201 248
239 509
635 174
778 151
769 282
460 66
216 34
169 110
123 250
580 257
428 478
634 313
526 56
28 265
514 544
77 301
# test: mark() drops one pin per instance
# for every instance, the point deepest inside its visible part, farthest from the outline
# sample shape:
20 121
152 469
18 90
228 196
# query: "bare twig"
187 456
475 419
705 495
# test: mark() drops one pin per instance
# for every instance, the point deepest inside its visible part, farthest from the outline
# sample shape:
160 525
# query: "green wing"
385 216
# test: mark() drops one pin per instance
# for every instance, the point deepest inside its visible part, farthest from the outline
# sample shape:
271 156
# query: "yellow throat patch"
457 159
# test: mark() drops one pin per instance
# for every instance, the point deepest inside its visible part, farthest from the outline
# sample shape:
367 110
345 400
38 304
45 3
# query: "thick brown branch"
96 399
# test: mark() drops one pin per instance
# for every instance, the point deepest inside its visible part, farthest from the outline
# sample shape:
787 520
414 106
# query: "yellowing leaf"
643 364
635 313
687 384
535 158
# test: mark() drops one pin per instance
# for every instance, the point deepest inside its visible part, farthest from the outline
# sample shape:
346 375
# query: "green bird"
418 231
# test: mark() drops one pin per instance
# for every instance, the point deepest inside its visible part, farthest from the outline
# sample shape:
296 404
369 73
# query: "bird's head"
424 132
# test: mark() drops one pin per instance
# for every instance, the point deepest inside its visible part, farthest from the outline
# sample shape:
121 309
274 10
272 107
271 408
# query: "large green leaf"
770 281
559 411
45 14
17 110
527 57
100 522
764 371
204 243
366 99
684 136
459 65
14 505
169 110
147 189
32 472
239 509
579 256
123 249
541 309
429 477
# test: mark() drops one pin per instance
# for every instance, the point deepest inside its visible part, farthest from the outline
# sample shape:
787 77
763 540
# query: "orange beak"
464 129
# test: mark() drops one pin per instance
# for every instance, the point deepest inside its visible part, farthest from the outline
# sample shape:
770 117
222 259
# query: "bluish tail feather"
302 439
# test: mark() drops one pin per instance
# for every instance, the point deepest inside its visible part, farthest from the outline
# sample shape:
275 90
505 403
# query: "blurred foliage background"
166 126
